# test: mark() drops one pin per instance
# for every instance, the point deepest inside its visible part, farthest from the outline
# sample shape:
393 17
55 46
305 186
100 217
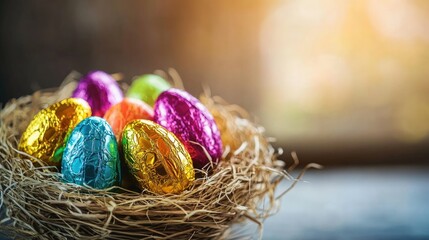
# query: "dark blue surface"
355 203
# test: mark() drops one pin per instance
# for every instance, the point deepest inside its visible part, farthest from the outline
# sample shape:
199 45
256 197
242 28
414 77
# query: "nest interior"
36 203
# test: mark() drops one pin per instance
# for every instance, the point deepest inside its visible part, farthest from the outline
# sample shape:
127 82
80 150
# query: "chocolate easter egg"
45 135
91 155
100 90
156 158
125 111
185 116
147 88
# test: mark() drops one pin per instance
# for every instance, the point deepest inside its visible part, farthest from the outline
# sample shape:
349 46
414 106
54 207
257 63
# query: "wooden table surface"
354 203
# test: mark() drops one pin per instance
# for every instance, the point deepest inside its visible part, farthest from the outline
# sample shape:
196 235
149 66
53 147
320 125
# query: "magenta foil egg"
100 90
192 123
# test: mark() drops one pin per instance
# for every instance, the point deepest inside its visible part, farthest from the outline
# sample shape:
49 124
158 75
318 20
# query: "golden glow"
347 69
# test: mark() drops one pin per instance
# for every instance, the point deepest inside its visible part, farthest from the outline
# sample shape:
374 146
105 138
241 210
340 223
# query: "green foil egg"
91 155
147 88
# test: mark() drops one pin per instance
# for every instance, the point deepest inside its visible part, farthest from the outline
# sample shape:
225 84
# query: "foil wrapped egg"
100 90
125 111
91 155
156 157
185 116
45 136
147 88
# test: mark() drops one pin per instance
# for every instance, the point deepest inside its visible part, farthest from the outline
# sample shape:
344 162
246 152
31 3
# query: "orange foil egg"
125 111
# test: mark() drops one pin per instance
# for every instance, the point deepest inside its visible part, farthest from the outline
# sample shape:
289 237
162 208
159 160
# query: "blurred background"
343 83
340 82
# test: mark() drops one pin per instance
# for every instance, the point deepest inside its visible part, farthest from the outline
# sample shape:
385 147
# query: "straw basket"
37 204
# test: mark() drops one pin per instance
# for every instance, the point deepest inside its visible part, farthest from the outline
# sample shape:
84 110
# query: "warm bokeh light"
320 76
346 70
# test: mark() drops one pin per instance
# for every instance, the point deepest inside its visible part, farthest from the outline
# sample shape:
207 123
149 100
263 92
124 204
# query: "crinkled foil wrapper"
192 123
45 135
156 158
147 88
127 110
91 155
100 90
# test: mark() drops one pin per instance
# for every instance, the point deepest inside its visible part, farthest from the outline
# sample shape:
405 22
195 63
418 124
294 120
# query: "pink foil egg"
100 90
192 123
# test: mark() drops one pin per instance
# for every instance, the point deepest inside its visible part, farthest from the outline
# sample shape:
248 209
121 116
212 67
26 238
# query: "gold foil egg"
156 158
45 136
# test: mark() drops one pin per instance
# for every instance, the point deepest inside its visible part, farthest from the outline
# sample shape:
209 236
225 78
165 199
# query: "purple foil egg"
100 90
192 123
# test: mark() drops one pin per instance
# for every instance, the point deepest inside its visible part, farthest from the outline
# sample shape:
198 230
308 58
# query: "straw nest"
36 203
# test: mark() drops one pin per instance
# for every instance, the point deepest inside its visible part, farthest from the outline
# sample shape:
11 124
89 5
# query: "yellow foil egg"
156 158
45 136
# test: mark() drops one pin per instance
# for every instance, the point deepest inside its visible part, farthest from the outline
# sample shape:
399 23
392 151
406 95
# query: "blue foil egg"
91 155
